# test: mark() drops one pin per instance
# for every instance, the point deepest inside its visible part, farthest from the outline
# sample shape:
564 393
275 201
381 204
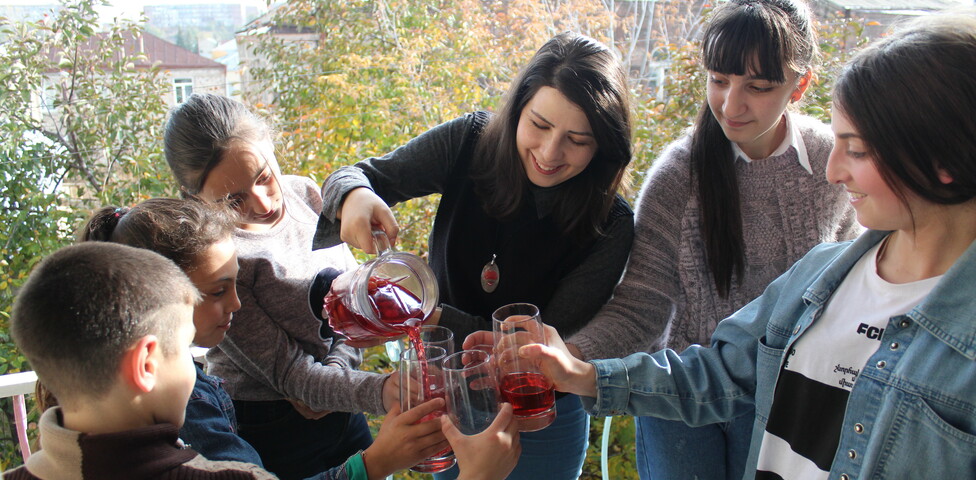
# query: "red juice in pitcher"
397 309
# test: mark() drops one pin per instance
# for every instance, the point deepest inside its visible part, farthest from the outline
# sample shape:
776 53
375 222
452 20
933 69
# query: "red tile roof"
168 55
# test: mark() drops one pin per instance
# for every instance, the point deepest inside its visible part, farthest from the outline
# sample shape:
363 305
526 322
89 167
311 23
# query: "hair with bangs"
764 38
911 98
589 75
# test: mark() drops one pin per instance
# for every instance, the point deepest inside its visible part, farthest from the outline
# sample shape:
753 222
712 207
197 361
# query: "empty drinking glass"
472 392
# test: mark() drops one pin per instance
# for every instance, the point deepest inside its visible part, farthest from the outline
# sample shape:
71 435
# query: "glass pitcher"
384 297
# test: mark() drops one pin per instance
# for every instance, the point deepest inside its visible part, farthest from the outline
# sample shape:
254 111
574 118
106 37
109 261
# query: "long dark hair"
911 98
589 75
767 36
178 229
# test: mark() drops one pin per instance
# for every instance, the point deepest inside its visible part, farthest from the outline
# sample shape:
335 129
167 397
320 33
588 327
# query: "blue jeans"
294 447
668 449
556 452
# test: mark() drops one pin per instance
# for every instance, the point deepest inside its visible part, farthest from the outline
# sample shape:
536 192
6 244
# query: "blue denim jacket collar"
945 312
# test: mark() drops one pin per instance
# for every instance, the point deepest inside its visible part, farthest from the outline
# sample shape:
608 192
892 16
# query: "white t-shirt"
811 395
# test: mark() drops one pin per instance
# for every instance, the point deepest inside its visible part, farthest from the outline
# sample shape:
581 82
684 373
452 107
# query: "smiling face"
215 276
554 139
750 109
878 206
247 179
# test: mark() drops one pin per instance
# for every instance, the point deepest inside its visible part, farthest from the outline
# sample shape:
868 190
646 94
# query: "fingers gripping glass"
419 382
520 381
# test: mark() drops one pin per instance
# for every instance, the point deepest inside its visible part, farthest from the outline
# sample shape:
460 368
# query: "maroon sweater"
153 452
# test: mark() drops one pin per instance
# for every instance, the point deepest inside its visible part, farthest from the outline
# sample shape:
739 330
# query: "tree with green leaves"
79 128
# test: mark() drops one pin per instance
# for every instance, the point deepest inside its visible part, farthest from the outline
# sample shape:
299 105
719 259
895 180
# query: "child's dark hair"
912 97
84 305
765 37
178 229
200 130
588 74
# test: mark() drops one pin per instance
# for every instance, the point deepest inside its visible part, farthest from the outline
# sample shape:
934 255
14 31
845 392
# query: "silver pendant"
489 276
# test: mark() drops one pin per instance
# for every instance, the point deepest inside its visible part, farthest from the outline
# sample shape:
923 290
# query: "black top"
538 264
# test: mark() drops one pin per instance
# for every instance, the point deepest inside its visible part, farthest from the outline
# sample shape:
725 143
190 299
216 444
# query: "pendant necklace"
489 275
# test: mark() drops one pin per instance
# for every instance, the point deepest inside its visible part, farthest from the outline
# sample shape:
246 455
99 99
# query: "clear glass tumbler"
472 391
422 380
520 381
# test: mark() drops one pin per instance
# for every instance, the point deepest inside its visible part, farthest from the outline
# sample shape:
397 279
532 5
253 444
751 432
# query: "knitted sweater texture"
667 297
276 348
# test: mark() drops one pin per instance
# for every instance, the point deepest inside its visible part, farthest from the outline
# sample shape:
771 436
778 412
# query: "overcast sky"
132 8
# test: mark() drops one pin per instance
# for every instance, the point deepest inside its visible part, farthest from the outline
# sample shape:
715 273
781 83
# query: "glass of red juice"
520 381
422 379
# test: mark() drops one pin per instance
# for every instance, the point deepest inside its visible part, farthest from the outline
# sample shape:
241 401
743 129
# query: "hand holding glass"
420 382
520 380
472 392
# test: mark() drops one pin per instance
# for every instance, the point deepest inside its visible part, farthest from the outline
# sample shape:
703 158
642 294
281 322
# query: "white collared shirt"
792 139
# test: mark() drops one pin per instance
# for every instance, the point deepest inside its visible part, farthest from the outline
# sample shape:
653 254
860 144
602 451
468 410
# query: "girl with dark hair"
297 391
859 360
724 210
530 210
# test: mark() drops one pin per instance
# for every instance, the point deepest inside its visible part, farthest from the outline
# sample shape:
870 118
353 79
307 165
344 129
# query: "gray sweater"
275 348
667 297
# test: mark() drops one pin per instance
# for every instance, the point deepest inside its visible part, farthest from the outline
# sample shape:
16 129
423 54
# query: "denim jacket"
210 427
910 414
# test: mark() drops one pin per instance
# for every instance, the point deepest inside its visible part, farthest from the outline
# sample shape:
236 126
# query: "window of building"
183 87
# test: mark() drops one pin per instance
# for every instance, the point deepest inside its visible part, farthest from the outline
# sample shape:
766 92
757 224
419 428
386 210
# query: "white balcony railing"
17 385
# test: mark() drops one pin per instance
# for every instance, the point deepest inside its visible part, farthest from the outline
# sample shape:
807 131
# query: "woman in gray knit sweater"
724 211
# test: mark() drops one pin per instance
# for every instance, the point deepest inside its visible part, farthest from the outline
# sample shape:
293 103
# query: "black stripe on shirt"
808 415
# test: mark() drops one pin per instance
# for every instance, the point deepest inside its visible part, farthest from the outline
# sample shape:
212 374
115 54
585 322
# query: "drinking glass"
472 391
437 336
422 379
520 381
430 335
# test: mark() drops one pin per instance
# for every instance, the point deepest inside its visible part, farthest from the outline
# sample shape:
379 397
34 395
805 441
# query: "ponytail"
102 224
177 229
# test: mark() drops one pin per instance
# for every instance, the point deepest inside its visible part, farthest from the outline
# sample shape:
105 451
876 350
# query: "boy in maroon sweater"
107 328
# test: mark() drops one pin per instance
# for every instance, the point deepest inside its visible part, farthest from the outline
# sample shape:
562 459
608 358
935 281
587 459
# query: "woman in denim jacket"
860 361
